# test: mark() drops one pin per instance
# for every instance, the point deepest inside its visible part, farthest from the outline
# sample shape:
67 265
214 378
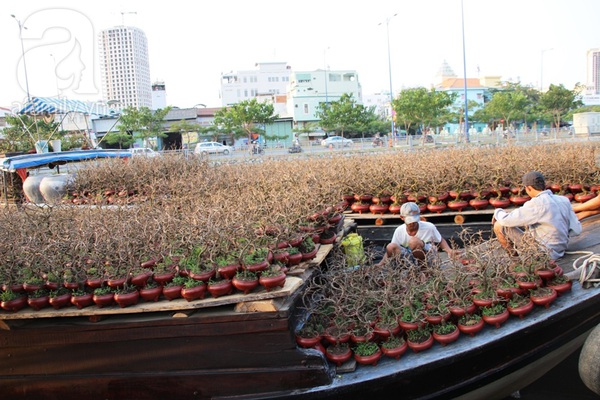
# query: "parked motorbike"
257 149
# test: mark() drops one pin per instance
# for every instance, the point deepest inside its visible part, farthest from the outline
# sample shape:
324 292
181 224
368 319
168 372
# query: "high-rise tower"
593 71
125 67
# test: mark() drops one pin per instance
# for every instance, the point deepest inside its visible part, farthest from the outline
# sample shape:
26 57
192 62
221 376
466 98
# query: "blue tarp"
40 105
11 164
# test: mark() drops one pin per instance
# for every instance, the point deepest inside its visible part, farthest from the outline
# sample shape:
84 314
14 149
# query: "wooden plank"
292 283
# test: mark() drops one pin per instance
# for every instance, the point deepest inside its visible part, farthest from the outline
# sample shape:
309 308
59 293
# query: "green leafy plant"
445 328
103 290
495 309
366 349
393 342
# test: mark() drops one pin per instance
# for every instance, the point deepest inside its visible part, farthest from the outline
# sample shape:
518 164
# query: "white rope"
589 263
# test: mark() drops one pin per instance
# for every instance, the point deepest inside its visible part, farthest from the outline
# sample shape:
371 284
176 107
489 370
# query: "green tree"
422 107
135 124
345 115
243 119
23 131
558 101
506 106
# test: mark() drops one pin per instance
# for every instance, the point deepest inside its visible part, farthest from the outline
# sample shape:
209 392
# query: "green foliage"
246 275
8 295
418 335
422 107
469 319
103 290
22 131
558 102
366 348
495 309
445 328
256 256
345 115
190 283
241 119
135 123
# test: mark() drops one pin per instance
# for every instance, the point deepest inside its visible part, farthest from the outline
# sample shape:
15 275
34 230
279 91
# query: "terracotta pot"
116 282
437 208
561 287
368 360
32 287
201 276
544 300
151 294
444 339
281 256
194 293
71 285
394 208
583 197
378 208
437 319
545 273
228 271
82 301
395 352
499 202
471 330
220 288
421 346
37 303
575 188
94 283
103 300
328 238
294 259
458 205
519 200
140 280
245 286
127 299
261 266
408 326
460 311
172 292
338 357
15 304
527 285
496 320
163 277
308 342
385 331
51 285
312 254
270 282
479 204
360 207
60 301
361 338
483 302
521 311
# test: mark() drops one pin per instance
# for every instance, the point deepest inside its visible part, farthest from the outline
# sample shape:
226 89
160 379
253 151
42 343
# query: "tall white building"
159 95
593 71
269 79
125 67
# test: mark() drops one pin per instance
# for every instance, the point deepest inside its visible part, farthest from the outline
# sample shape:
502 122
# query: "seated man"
587 209
415 238
549 218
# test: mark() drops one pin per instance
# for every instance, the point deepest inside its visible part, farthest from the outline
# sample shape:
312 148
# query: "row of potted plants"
421 306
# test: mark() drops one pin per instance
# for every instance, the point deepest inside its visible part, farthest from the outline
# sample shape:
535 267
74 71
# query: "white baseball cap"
410 212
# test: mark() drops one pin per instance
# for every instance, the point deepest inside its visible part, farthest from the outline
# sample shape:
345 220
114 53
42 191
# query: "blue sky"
192 43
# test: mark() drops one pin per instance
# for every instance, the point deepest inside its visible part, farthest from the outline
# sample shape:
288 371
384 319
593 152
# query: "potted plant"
127 295
495 314
219 286
419 339
445 333
151 291
520 305
272 277
60 297
543 296
81 298
38 299
470 324
104 296
394 347
193 289
245 281
367 353
172 289
338 353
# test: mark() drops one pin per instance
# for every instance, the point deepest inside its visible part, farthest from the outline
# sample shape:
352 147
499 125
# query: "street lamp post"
542 69
21 27
387 27
326 77
465 73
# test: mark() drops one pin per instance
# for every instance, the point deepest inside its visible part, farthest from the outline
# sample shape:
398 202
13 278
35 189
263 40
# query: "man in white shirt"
549 218
415 238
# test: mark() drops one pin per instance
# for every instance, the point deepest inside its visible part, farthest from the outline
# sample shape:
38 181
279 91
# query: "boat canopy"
49 105
15 163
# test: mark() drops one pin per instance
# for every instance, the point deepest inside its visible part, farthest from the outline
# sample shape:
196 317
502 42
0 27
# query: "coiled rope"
590 262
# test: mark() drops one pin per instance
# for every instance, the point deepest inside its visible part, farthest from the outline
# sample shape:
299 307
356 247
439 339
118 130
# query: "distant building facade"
308 89
125 67
269 79
159 96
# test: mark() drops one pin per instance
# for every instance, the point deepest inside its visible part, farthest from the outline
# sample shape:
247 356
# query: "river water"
560 383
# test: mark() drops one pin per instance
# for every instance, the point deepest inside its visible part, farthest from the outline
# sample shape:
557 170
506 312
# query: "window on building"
305 108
